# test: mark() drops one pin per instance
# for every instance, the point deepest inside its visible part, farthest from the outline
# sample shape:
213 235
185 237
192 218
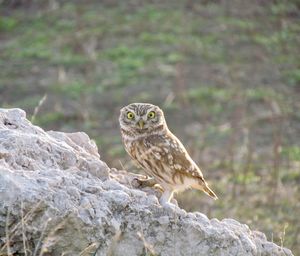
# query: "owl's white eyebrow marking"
158 156
140 108
155 148
174 145
170 159
177 166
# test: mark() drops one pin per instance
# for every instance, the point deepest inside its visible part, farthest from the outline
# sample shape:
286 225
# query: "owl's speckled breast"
153 154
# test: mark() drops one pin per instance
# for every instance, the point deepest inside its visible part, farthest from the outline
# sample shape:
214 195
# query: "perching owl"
158 151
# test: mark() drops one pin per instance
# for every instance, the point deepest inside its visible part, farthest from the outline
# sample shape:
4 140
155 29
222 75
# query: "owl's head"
142 118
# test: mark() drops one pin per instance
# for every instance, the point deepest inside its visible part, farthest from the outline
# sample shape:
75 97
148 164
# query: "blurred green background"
226 72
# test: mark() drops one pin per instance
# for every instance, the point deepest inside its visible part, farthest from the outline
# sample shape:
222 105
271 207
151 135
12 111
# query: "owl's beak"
141 124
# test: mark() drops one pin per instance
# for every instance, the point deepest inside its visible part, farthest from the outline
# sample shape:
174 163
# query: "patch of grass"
67 57
49 118
144 96
292 77
210 94
284 8
64 25
261 93
158 37
246 178
164 18
7 24
290 176
126 55
174 57
292 152
73 90
130 60
234 22
116 151
213 135
210 100
207 47
278 40
30 45
28 102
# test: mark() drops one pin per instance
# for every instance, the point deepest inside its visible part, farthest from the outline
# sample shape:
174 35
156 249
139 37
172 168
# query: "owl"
154 148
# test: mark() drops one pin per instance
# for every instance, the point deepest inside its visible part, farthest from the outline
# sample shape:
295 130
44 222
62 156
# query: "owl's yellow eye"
151 114
130 115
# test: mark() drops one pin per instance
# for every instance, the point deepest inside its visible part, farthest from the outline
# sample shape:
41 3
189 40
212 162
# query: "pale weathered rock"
59 198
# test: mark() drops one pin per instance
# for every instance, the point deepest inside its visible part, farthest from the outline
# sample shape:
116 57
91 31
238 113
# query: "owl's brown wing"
174 155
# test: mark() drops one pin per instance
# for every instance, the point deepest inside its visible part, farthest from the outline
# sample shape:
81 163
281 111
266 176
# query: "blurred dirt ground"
227 74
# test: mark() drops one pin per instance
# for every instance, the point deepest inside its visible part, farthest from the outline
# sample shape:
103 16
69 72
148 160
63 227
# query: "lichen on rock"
58 198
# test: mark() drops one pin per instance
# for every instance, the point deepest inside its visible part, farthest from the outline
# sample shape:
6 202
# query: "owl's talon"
136 183
141 183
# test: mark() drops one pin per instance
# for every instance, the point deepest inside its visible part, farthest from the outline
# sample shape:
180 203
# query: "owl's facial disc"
141 118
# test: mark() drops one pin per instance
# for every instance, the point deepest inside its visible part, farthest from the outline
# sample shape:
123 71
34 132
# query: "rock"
59 198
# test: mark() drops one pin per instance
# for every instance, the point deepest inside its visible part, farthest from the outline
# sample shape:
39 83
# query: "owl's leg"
166 197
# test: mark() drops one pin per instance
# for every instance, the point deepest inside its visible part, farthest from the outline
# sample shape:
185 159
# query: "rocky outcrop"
59 198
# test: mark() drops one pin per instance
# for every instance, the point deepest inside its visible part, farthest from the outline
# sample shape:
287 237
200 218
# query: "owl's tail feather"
209 192
205 188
